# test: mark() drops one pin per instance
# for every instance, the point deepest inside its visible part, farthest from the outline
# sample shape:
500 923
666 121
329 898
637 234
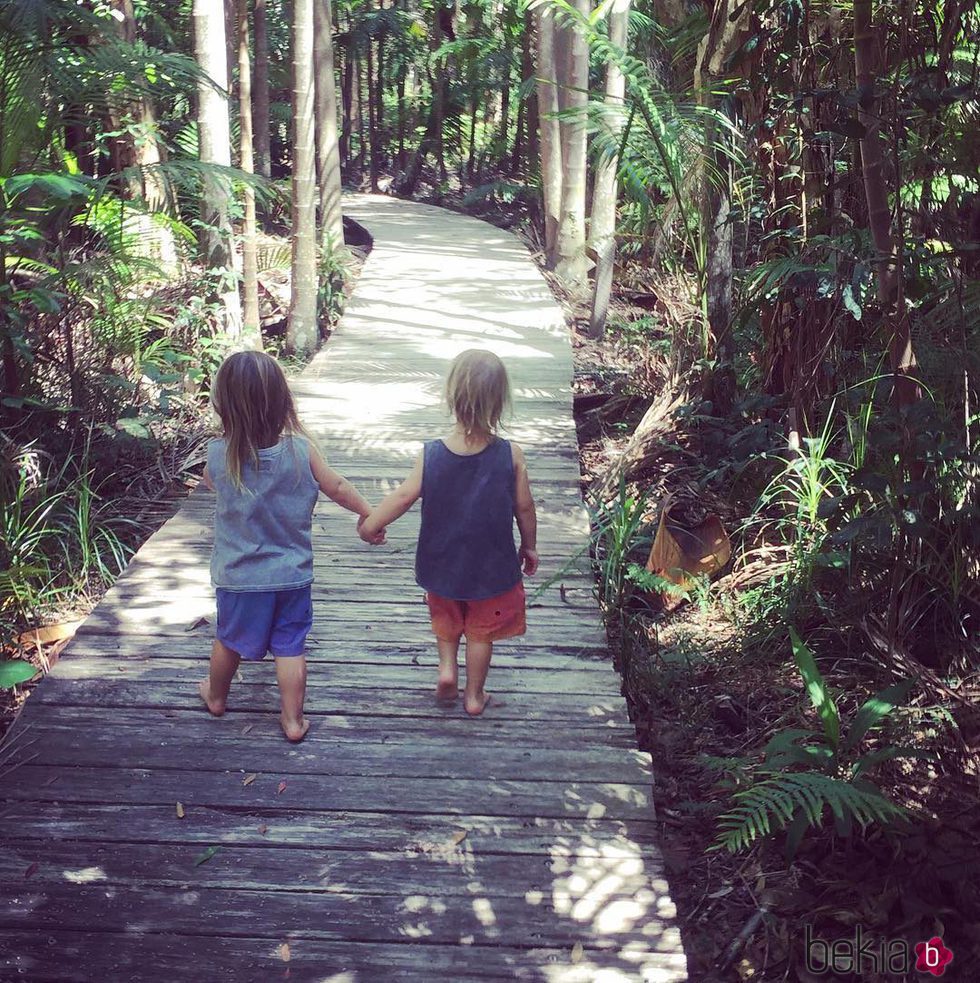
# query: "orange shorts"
480 621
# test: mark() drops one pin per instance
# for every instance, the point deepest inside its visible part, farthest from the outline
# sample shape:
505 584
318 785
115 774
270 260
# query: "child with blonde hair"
266 473
473 485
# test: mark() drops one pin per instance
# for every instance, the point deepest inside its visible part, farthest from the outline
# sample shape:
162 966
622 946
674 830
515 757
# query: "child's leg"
214 689
448 686
291 674
477 666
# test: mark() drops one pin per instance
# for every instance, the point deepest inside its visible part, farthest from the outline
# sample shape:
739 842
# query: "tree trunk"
525 140
901 355
603 222
214 141
401 120
372 118
301 331
551 165
438 94
250 271
572 263
260 103
138 151
347 97
327 148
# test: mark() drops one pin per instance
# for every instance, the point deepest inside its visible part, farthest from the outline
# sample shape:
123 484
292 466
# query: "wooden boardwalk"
400 841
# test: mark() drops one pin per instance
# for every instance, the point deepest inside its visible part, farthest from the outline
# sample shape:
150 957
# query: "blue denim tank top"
263 532
466 546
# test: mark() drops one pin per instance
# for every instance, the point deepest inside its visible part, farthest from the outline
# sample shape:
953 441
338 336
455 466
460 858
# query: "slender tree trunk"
347 96
214 140
602 228
301 332
551 163
372 118
361 140
438 94
250 271
901 355
231 32
525 139
328 151
401 120
505 115
260 102
572 263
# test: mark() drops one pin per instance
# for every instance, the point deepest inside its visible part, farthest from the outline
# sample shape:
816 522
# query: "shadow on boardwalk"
400 841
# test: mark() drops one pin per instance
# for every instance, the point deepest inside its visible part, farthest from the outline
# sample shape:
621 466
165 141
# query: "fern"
779 799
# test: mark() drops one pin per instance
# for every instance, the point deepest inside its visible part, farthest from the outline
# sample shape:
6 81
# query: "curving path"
401 841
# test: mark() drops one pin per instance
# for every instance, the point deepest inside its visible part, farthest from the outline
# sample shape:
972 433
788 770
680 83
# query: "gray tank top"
263 532
466 544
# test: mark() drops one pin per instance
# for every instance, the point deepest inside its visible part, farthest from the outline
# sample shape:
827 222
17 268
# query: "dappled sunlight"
86 875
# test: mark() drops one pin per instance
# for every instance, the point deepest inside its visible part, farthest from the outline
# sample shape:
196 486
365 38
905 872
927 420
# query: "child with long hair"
473 485
266 473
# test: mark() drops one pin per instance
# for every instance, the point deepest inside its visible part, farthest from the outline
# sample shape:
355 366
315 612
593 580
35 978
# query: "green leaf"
817 690
133 427
203 858
847 295
874 710
15 671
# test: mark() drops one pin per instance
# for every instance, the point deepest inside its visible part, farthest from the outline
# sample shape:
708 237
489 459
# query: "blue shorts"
254 622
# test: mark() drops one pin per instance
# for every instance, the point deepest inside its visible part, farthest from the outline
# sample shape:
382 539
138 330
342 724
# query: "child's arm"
394 504
336 487
206 478
524 512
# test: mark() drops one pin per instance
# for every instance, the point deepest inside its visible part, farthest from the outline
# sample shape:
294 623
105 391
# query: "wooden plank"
325 830
326 700
446 869
138 955
453 725
539 798
327 915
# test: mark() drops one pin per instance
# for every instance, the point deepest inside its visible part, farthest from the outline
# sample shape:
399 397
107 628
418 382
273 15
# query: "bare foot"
447 690
214 708
475 705
294 731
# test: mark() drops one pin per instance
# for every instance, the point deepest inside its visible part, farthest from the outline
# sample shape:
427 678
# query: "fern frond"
771 804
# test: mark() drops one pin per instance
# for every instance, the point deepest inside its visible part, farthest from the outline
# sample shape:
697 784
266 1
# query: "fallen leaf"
204 857
247 728
248 779
52 780
196 623
180 810
48 634
577 952
282 787
30 870
722 891
458 837
284 953
263 829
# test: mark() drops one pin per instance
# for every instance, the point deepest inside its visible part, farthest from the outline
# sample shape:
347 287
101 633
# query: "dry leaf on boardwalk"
263 829
180 810
282 787
284 954
247 728
196 623
30 870
204 857
458 837
577 952
248 779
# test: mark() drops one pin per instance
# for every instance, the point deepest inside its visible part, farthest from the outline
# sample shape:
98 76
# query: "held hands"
529 560
373 538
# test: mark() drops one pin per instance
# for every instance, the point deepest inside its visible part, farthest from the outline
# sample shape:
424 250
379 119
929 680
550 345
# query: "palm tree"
250 281
327 147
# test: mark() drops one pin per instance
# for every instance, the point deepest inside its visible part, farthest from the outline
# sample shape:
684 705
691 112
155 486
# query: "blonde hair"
478 392
251 396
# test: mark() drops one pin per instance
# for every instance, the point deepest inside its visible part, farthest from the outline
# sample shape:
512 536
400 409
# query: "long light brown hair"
251 396
478 392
